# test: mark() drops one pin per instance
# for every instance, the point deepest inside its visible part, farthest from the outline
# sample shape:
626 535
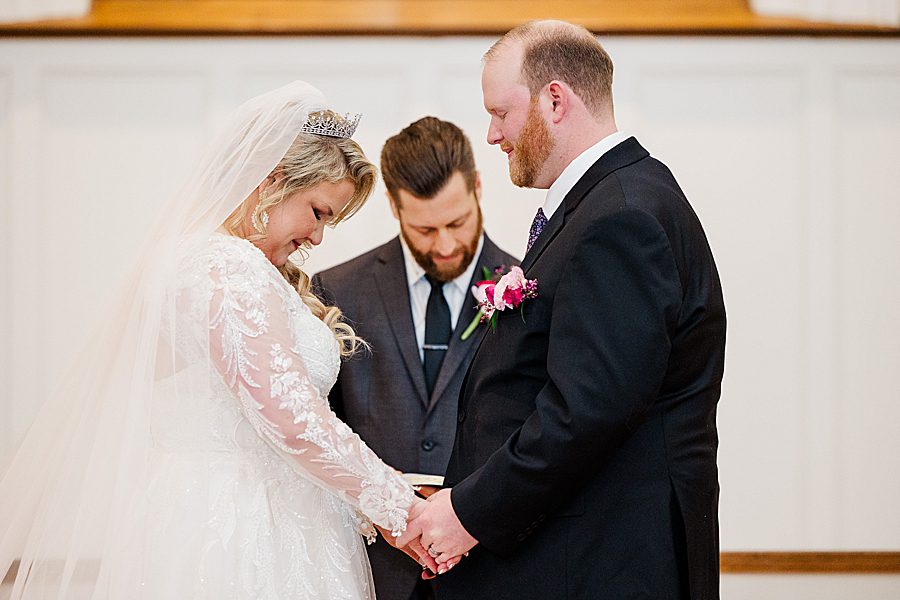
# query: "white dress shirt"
456 292
576 170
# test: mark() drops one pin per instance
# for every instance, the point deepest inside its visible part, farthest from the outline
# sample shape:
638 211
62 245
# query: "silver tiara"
330 123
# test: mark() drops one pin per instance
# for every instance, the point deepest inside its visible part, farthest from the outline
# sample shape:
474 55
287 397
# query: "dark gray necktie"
437 332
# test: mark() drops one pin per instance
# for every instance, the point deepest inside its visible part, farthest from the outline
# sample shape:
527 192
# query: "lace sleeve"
253 344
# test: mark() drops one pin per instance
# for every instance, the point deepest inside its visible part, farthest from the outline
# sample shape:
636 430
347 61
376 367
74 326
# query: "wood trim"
757 563
424 17
810 562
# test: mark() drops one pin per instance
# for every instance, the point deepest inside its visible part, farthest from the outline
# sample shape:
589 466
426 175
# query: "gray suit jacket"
382 396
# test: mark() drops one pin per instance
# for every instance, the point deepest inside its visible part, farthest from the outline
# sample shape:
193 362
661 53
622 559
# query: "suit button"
461 416
428 445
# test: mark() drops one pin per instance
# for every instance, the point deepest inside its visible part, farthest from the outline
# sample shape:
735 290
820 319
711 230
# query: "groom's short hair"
566 52
422 158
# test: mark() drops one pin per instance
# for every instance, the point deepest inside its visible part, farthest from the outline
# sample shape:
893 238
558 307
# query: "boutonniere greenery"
499 292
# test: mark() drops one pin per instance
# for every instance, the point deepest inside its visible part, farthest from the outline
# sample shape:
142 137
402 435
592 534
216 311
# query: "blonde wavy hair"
311 160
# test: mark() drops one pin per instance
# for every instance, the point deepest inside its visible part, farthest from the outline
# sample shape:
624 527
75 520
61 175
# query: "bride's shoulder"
224 255
226 250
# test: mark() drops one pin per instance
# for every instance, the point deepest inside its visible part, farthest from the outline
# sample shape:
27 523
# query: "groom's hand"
441 532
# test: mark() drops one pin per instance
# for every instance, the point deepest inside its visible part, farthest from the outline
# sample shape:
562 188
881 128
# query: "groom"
584 464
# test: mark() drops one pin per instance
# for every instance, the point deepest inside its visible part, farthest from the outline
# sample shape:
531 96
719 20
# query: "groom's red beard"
465 252
531 149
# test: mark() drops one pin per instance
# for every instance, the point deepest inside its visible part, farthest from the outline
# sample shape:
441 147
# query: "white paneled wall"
6 429
867 299
788 148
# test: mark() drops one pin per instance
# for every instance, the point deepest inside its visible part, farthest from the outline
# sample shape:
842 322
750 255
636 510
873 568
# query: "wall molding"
764 562
810 562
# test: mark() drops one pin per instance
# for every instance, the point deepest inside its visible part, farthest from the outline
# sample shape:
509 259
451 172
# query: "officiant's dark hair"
422 158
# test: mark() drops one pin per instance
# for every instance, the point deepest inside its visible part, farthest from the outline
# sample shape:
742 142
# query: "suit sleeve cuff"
474 512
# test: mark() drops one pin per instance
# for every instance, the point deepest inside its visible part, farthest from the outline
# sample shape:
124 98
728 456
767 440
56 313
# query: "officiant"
411 300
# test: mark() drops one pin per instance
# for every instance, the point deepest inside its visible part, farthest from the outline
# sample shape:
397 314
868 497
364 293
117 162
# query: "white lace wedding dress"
257 489
190 453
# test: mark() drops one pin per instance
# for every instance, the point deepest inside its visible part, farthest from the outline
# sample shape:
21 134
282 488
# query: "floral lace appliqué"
267 338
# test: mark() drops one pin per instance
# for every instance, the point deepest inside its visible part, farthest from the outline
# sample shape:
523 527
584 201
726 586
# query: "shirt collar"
415 272
576 170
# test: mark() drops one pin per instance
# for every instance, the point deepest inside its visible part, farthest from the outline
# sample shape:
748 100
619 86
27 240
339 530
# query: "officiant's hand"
441 532
426 490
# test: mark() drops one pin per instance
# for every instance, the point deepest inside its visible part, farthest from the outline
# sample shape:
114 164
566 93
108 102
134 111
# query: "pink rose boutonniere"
507 292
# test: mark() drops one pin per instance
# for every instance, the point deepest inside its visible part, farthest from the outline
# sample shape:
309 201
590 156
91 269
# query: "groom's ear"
477 186
557 97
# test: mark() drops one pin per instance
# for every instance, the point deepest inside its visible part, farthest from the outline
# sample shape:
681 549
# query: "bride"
192 452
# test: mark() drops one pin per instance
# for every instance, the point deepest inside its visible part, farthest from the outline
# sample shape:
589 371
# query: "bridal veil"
81 473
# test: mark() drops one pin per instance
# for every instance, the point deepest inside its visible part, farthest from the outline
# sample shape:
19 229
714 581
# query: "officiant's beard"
531 149
452 271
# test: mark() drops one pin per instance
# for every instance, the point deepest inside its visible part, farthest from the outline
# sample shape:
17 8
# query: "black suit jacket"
585 457
383 396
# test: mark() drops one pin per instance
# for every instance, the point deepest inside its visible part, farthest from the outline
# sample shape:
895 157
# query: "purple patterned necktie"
537 226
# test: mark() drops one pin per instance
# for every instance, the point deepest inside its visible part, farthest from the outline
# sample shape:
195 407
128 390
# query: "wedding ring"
432 552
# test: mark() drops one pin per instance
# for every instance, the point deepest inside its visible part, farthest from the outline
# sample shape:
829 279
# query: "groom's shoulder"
639 181
651 188
349 272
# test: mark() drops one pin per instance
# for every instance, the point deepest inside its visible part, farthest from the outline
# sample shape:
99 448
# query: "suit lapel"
623 154
481 333
459 349
390 278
